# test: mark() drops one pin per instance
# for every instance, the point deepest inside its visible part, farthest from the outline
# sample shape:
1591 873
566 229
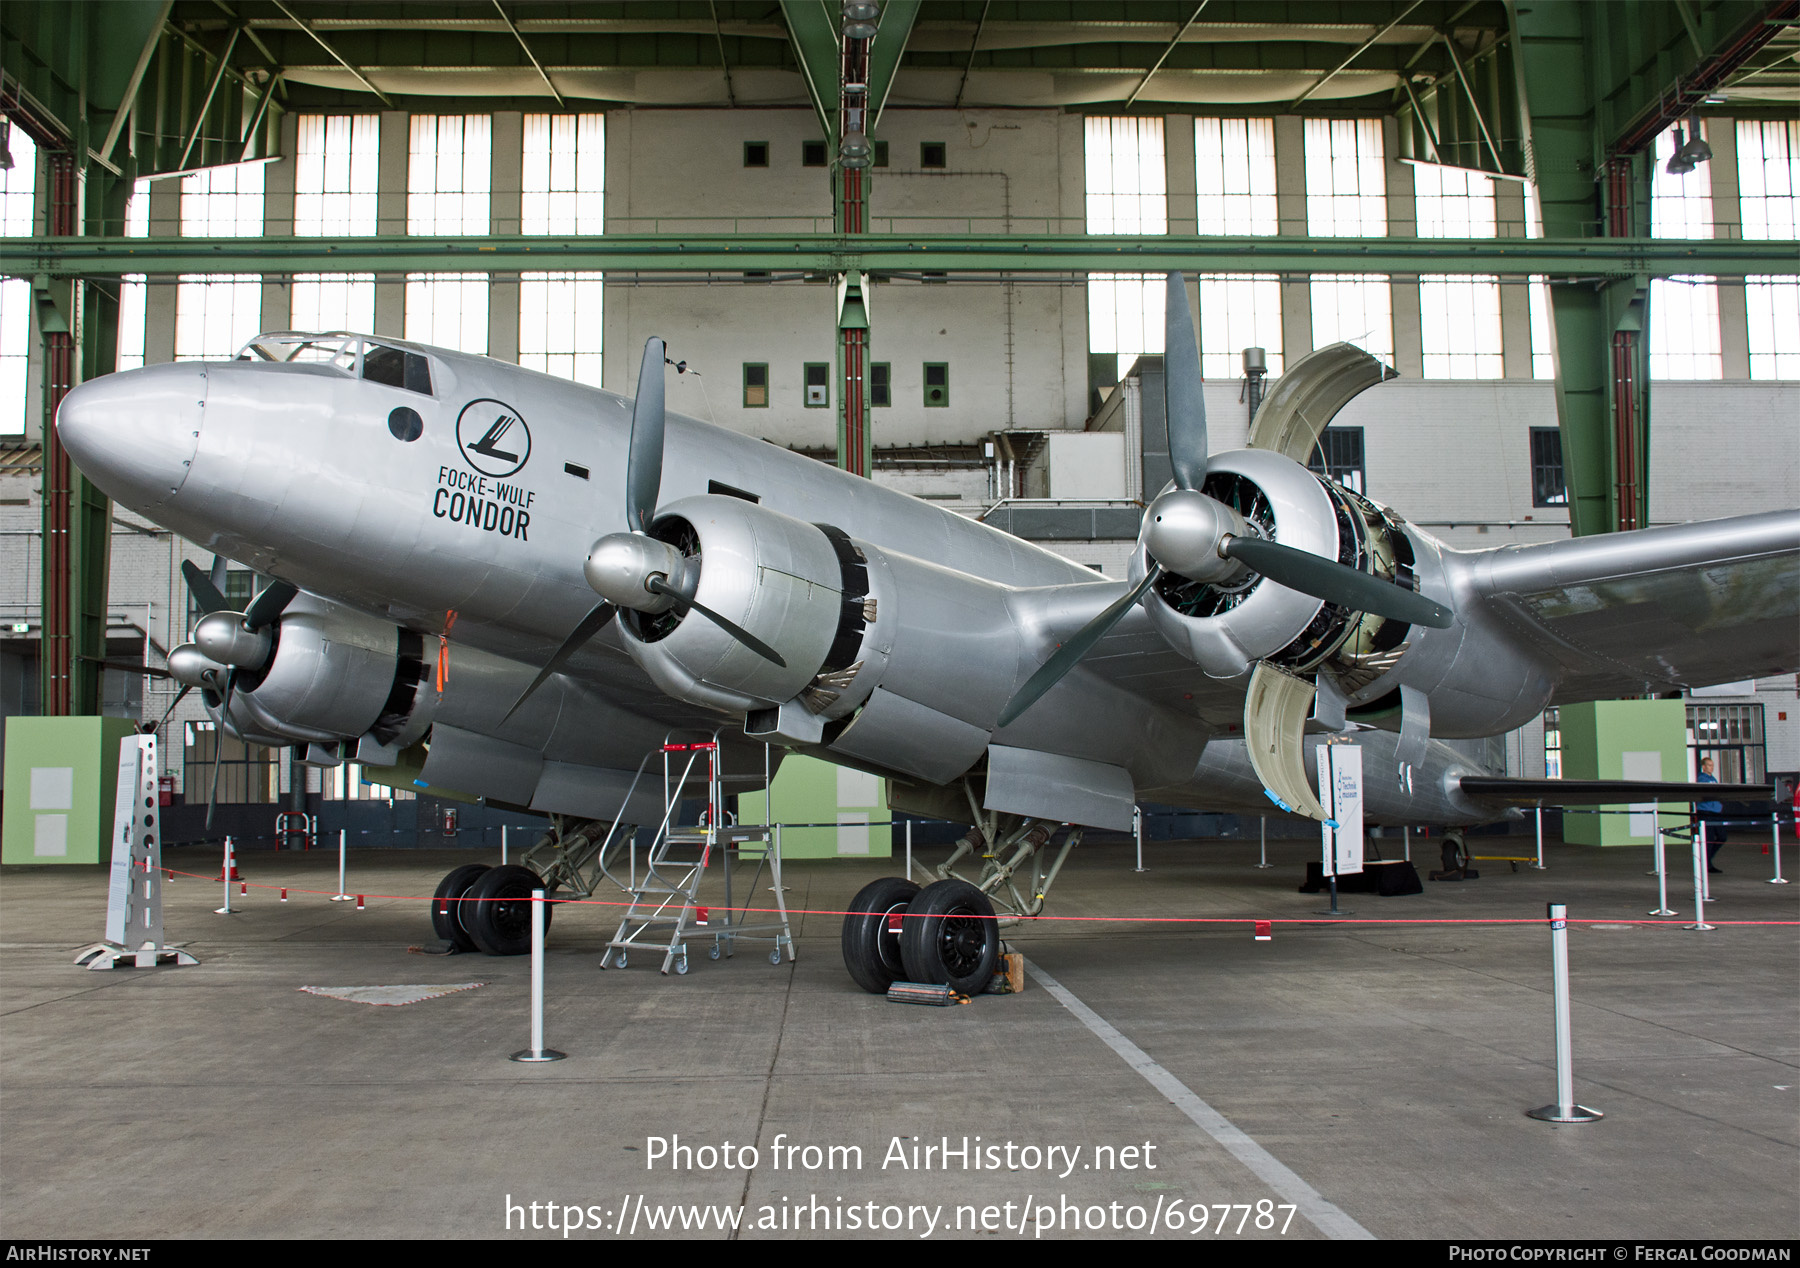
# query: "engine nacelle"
775 576
332 675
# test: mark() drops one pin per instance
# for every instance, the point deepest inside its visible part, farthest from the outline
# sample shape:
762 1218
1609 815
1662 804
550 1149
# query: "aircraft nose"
134 433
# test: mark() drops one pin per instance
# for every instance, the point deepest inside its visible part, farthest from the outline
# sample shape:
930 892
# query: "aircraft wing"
1683 605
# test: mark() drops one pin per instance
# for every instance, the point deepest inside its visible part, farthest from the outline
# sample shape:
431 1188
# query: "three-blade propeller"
632 569
240 642
1196 536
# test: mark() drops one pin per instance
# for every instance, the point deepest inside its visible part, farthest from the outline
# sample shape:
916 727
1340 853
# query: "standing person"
1711 813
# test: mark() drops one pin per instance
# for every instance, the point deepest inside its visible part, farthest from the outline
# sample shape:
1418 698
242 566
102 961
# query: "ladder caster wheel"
619 959
775 956
681 966
713 952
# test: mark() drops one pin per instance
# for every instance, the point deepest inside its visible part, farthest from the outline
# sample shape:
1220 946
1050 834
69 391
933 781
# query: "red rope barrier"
1176 920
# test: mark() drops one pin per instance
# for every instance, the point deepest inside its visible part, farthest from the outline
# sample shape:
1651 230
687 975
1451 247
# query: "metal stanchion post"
1662 880
1262 837
1700 881
1565 1110
1137 832
909 824
1540 836
1775 848
341 896
1406 840
503 843
225 870
537 1051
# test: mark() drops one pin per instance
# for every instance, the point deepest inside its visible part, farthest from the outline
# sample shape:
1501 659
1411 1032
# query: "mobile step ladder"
666 913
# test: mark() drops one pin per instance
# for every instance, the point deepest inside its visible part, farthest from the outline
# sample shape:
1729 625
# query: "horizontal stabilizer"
1593 792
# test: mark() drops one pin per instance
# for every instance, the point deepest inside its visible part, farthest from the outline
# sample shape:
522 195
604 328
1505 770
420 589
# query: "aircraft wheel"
447 913
871 953
950 937
499 910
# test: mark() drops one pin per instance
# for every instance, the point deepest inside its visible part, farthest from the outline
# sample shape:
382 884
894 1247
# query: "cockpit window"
336 350
397 368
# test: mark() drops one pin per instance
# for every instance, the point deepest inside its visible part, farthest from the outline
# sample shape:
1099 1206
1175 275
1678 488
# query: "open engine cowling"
1227 627
774 575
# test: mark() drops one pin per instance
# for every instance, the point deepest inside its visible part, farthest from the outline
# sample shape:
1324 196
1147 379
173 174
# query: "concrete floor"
1386 1065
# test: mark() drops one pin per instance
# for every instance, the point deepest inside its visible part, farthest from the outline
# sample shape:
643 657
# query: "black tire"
950 937
871 953
447 912
498 910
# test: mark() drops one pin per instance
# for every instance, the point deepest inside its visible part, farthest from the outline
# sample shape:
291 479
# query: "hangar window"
18 189
1548 485
448 181
561 328
756 154
134 289
1338 455
449 174
1459 316
812 154
1234 176
1684 311
448 310
248 773
335 162
881 154
881 384
1238 311
214 312
818 384
1234 181
933 154
1543 344
1732 735
756 385
1127 192
1769 196
1346 197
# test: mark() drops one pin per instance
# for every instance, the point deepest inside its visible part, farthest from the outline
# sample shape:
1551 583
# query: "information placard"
1340 789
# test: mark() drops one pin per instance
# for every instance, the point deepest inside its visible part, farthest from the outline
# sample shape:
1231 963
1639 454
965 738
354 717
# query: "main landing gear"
482 908
947 932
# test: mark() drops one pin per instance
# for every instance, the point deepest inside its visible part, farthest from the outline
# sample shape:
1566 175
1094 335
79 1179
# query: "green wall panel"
1623 739
61 776
810 791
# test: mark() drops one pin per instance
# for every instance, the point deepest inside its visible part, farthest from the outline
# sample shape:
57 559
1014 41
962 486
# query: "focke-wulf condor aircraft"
416 507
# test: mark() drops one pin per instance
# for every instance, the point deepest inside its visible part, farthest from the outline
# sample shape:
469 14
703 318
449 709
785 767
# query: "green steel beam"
813 26
885 51
1553 64
1561 257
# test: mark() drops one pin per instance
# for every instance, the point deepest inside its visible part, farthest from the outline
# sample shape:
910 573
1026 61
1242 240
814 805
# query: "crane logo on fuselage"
493 437
495 442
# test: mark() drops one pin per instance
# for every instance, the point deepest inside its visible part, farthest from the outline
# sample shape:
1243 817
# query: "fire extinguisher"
449 821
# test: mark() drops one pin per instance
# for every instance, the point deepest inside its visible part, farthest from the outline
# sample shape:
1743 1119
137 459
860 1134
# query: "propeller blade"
206 594
212 797
146 671
643 464
179 697
268 606
1185 388
1335 583
1065 657
220 566
590 625
656 585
